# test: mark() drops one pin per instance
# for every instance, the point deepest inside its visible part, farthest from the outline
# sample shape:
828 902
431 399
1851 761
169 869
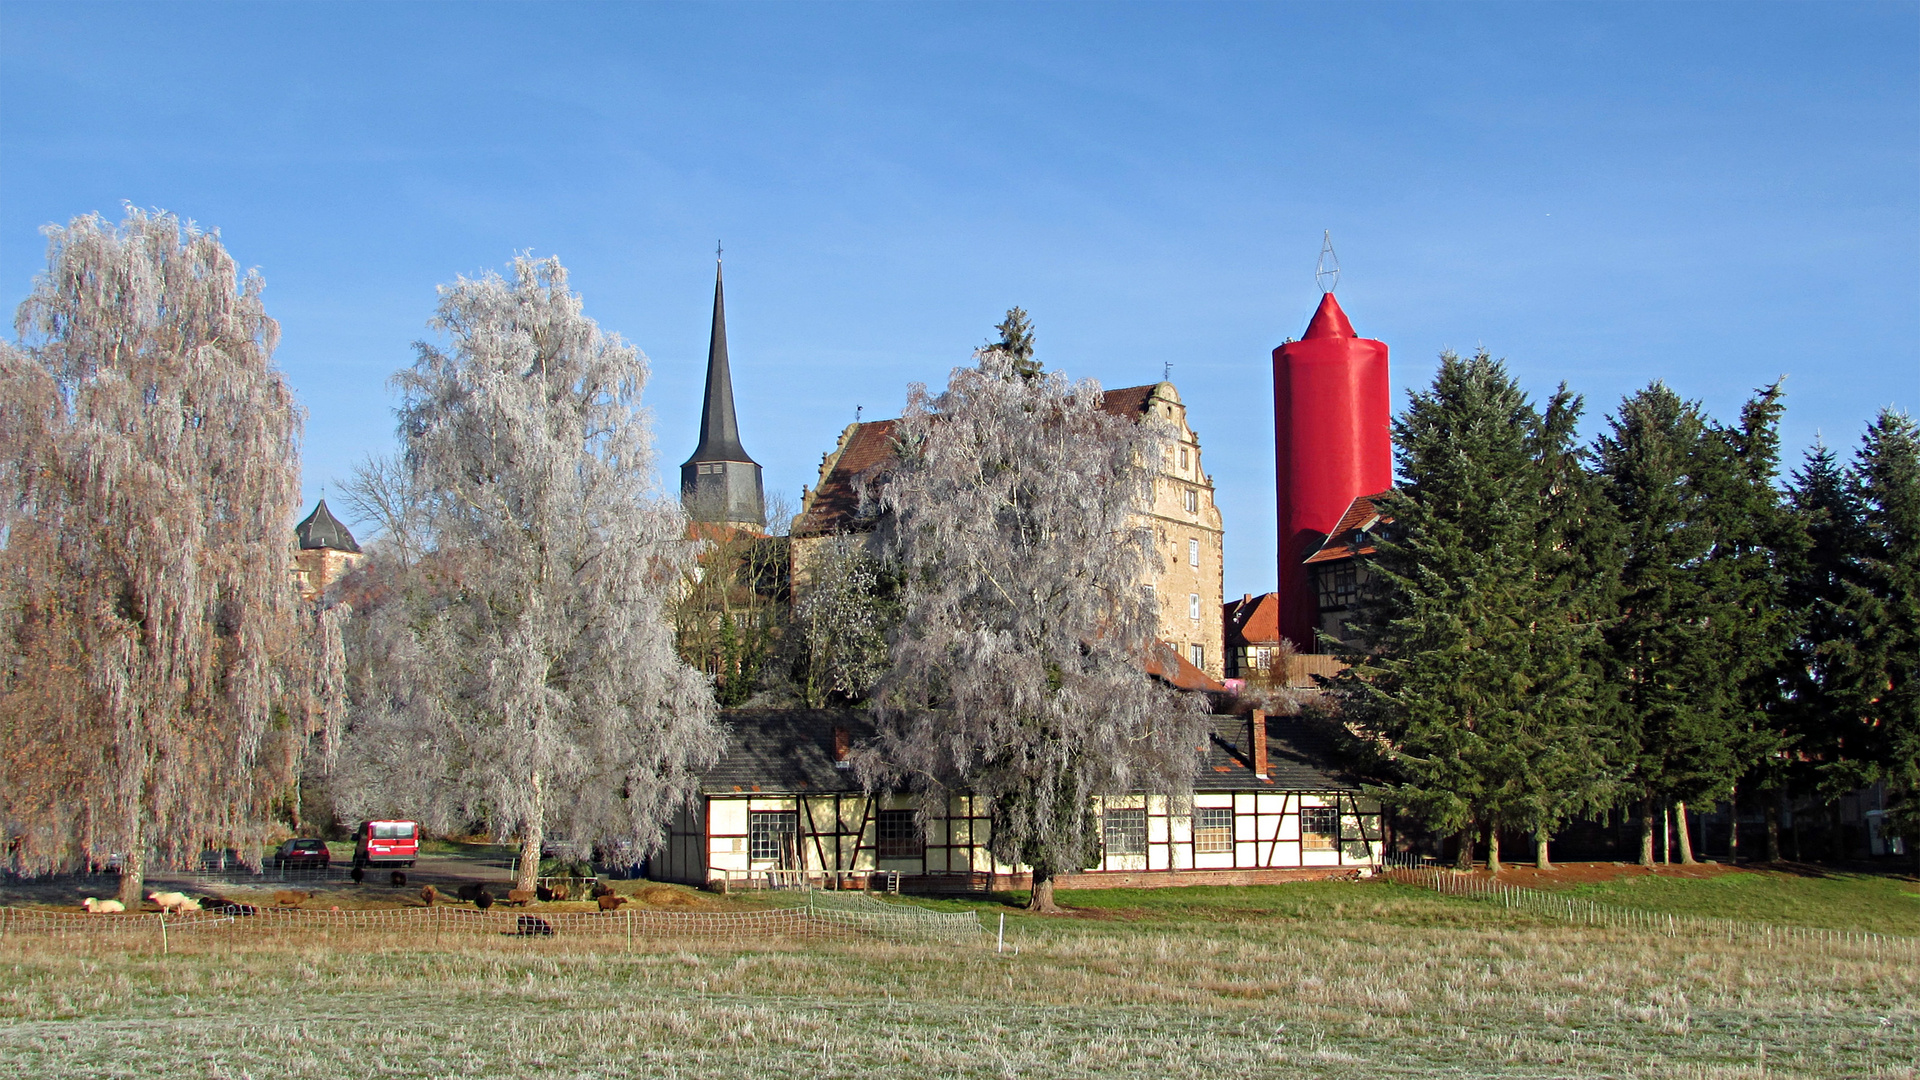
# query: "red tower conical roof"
1329 321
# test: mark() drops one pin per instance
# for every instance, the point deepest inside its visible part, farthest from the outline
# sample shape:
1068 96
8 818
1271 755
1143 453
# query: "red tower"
1332 442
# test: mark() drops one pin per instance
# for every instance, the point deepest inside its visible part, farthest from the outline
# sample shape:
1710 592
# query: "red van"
386 843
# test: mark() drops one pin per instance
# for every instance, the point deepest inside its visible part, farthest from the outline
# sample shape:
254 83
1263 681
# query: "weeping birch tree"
530 643
1018 665
146 609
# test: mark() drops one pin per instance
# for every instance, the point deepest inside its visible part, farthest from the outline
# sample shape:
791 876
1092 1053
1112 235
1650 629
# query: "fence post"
629 931
163 933
1000 944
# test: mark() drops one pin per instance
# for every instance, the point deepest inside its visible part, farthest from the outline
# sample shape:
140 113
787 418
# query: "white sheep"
103 907
174 901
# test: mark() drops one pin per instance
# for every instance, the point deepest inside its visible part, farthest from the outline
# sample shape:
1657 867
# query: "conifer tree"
1478 636
1876 669
1695 650
1016 343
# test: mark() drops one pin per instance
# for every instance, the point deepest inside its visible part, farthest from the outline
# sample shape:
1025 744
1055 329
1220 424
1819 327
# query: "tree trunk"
1540 859
1493 850
1463 859
530 840
1666 835
1733 827
1686 838
133 866
1041 899
1773 830
1646 832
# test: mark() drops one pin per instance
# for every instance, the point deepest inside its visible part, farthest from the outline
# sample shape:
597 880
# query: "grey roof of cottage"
322 530
789 751
785 750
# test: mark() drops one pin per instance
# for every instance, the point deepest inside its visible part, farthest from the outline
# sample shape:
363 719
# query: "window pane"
1319 827
1213 830
1193 553
898 835
770 834
1193 605
1197 654
1126 832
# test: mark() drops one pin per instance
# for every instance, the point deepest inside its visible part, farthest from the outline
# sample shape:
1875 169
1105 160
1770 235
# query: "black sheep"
533 926
483 899
398 878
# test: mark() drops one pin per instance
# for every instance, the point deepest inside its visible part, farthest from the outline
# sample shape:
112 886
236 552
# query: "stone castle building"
1185 521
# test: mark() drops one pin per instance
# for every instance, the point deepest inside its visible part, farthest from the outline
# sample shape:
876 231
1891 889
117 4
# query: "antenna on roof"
1326 273
1166 370
717 249
857 410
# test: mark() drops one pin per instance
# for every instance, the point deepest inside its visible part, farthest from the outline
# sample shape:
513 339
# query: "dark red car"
302 853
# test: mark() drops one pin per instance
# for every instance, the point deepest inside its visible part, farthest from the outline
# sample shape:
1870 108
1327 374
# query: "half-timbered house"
783 806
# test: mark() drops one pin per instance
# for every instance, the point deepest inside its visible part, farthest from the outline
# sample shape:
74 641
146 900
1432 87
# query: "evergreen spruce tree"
1478 637
1876 684
1016 344
1695 651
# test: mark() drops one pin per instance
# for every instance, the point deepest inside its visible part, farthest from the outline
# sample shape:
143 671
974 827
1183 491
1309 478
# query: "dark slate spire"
323 530
720 483
719 430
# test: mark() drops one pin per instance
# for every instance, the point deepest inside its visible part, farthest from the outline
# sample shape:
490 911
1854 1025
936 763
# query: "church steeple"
720 483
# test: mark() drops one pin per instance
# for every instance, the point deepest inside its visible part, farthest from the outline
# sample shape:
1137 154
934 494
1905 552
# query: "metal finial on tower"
1166 370
1326 273
857 410
716 251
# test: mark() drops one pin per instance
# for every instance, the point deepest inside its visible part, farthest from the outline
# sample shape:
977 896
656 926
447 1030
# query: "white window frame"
1124 831
1193 552
1197 655
1213 830
1193 501
1193 606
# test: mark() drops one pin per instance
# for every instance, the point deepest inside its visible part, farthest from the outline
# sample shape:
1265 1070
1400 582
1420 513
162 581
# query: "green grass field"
1314 979
1798 897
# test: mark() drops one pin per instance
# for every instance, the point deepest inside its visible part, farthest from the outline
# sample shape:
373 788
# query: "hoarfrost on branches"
522 669
1018 668
149 618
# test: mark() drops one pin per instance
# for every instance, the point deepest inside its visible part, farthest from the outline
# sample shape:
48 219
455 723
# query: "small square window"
1193 501
1193 553
1197 654
1213 830
1183 457
1126 832
1193 606
1263 658
1319 828
771 834
899 835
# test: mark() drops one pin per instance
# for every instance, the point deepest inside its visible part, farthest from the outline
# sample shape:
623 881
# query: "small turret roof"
322 530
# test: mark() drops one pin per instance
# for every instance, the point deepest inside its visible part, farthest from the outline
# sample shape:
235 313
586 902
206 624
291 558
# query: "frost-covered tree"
840 625
1018 665
530 645
148 617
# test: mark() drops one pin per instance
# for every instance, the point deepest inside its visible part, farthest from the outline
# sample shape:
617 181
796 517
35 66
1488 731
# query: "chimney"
843 742
1259 743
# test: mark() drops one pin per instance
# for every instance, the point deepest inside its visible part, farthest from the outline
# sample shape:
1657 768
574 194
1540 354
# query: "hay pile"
667 896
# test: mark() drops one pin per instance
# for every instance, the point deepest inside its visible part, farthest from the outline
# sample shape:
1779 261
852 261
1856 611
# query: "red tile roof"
1181 674
1345 541
1252 621
836 505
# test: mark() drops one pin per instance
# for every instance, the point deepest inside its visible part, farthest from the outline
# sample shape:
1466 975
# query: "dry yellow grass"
1360 983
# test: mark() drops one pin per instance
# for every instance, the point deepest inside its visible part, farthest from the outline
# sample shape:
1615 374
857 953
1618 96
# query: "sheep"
291 897
398 879
522 896
610 900
484 900
600 889
174 902
103 907
428 894
532 926
358 875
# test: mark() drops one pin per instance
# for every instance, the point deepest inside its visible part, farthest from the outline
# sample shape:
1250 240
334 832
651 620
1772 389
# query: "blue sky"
1711 194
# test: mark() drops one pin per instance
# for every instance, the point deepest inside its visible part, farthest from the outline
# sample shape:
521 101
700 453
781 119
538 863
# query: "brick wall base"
1130 879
